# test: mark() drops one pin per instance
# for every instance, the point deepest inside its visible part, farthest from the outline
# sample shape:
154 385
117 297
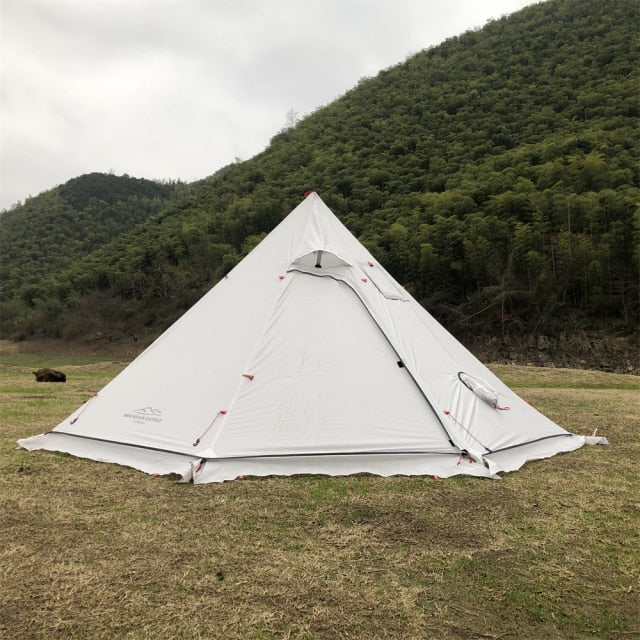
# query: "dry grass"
90 550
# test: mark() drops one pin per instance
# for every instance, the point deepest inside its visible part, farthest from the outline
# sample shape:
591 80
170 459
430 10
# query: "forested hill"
54 230
494 175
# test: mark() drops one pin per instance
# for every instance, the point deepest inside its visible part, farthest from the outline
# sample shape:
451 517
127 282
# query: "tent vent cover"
383 282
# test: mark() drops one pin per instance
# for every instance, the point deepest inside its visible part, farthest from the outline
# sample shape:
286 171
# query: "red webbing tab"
462 457
448 413
204 433
248 375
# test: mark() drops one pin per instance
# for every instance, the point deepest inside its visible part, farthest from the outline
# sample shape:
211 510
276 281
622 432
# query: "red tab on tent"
248 375
464 457
280 277
204 433
448 413
308 193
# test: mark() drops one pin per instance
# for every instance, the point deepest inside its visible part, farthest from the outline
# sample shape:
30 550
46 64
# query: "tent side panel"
325 380
512 459
149 461
441 466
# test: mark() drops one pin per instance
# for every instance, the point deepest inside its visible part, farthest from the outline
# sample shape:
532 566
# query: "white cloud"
179 88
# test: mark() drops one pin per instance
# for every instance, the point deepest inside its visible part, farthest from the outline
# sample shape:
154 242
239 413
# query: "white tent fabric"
308 358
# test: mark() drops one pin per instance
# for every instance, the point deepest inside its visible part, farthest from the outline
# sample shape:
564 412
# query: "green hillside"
56 229
495 176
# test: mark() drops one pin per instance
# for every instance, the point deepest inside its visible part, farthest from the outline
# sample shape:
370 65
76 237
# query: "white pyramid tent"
307 358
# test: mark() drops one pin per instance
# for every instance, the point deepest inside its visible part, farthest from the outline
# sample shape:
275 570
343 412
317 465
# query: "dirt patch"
7 346
51 347
580 350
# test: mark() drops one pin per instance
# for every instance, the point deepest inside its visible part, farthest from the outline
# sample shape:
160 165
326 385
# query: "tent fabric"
308 357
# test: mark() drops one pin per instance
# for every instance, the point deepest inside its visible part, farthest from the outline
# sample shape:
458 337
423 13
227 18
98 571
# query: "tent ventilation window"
320 259
482 389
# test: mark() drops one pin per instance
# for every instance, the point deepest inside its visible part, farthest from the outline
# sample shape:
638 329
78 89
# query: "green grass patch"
518 377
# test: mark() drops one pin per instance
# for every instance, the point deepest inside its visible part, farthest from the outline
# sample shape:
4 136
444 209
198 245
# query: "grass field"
90 550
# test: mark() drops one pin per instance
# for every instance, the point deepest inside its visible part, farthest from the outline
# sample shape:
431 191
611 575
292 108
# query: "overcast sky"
176 89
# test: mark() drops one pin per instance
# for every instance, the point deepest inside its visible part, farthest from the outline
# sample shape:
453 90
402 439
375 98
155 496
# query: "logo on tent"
148 414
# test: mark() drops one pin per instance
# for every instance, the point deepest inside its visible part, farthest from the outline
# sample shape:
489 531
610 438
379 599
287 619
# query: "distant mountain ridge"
495 175
109 188
54 230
